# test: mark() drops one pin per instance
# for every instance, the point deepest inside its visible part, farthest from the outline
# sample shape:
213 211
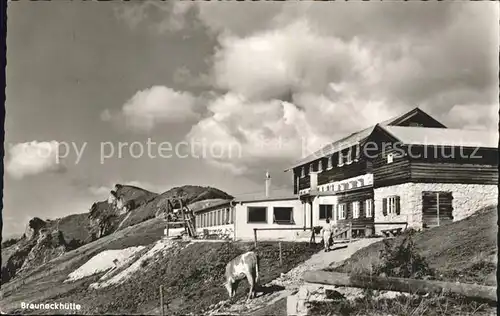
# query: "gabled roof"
443 136
359 137
263 198
275 194
207 204
407 115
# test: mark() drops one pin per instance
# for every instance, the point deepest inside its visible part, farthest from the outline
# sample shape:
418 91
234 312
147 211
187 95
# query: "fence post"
437 197
281 258
255 237
161 300
350 231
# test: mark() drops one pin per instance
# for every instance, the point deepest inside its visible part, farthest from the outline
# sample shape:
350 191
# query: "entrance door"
437 208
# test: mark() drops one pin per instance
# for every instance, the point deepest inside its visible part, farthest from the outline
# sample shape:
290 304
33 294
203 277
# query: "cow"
241 267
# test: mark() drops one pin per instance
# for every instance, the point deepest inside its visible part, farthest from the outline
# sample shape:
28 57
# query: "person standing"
326 232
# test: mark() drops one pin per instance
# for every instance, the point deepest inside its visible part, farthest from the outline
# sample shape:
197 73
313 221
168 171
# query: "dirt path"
288 283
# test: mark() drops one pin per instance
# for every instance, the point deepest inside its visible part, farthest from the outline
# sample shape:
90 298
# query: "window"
330 162
414 124
325 211
357 154
349 157
390 158
257 215
342 211
227 220
355 209
283 215
369 208
320 165
303 172
391 205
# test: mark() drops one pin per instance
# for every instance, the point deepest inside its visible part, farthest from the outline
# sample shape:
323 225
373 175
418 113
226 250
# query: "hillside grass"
46 280
434 305
463 251
192 277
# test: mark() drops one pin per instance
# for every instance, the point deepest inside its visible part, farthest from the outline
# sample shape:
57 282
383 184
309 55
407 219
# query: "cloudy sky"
222 91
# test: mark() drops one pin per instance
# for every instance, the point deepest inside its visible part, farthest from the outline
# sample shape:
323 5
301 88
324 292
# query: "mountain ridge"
125 206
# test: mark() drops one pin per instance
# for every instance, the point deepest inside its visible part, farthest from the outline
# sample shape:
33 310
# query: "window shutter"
398 208
384 206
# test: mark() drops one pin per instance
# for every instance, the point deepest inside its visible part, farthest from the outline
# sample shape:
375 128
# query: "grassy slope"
46 280
462 251
192 278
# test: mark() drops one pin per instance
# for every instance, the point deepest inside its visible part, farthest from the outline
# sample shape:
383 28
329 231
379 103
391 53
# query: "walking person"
326 232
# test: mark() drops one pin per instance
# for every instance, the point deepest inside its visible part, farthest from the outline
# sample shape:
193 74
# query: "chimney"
268 183
313 176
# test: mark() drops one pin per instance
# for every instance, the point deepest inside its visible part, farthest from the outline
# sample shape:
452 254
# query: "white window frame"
342 211
356 208
391 205
330 163
257 222
349 157
290 222
369 208
390 158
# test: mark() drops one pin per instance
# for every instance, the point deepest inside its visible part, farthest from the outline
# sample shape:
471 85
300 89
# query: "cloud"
32 158
156 105
320 74
341 67
185 76
479 117
161 16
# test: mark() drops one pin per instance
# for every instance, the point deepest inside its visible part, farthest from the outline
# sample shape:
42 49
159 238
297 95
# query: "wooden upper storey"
405 149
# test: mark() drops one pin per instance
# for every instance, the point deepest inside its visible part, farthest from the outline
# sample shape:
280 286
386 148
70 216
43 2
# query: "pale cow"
241 267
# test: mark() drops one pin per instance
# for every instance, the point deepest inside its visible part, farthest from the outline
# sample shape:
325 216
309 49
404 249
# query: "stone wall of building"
467 199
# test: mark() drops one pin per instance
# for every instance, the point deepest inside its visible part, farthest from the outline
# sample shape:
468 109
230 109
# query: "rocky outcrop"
38 246
13 258
49 245
33 228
